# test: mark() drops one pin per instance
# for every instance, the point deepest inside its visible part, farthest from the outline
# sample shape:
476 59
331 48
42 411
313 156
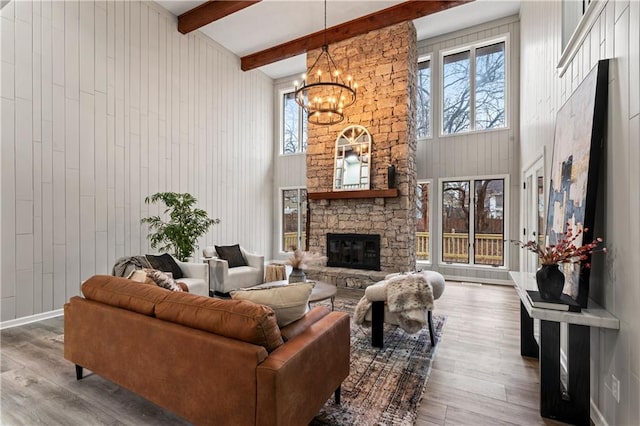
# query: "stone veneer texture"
384 63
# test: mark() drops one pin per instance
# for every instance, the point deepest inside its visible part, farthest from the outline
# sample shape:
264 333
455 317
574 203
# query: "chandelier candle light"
325 95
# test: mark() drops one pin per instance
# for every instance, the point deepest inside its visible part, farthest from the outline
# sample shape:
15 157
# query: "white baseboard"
596 416
31 318
459 278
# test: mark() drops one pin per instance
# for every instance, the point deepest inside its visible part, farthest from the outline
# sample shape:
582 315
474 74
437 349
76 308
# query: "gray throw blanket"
126 265
408 297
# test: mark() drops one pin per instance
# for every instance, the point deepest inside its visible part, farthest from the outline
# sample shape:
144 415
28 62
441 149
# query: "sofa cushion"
165 263
235 319
123 293
163 279
290 302
232 254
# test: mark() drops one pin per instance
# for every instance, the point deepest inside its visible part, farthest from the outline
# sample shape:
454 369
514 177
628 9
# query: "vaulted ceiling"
250 28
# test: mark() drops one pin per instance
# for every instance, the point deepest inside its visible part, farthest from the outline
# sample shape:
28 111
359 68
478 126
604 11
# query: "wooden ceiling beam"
405 11
209 12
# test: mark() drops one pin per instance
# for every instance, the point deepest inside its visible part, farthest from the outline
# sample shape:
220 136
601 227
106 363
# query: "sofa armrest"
218 272
194 270
254 260
320 356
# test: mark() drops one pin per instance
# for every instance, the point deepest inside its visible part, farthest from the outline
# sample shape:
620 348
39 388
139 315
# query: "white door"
534 205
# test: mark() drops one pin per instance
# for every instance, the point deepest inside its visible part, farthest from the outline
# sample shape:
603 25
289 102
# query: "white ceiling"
272 22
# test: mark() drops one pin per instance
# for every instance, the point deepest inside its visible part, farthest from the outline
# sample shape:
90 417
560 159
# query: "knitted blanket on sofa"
408 297
125 265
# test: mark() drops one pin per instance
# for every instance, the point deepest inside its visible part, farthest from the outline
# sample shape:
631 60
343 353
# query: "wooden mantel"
344 195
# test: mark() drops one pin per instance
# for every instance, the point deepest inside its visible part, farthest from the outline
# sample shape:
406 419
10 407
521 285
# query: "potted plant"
185 224
549 278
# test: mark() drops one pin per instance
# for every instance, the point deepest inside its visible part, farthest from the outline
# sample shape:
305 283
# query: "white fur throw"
409 292
408 296
360 313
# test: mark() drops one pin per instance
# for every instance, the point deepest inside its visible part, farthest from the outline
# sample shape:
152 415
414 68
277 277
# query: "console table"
569 405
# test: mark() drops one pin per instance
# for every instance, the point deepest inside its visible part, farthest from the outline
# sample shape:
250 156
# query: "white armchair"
195 276
223 279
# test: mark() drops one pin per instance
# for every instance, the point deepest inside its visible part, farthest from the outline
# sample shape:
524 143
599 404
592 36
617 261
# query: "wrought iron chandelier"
323 93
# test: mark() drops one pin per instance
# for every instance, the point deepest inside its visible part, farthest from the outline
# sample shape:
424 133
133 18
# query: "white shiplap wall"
615 35
104 103
490 153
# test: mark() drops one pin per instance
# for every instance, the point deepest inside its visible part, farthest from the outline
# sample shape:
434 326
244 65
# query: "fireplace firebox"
357 251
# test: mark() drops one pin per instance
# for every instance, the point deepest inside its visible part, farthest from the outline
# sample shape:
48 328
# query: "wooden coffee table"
321 290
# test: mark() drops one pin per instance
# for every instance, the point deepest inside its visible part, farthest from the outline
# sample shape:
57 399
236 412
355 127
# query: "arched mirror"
353 159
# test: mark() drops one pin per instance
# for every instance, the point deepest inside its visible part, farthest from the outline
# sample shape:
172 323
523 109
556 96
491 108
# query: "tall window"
423 234
294 125
424 99
294 219
473 228
474 89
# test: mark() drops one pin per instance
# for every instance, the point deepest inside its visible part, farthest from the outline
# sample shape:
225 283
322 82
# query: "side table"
570 405
275 272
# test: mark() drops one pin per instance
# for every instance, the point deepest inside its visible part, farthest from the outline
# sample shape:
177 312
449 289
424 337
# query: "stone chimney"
384 63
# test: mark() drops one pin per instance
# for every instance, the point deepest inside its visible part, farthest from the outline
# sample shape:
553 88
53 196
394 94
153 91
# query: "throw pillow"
165 263
162 279
232 254
289 302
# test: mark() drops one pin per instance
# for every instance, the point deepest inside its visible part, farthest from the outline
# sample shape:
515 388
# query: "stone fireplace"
384 63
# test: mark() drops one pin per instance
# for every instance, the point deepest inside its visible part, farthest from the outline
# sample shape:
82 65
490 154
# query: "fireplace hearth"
357 251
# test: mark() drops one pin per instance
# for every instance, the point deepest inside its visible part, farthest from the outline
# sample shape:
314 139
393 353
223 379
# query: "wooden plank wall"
104 103
490 153
615 34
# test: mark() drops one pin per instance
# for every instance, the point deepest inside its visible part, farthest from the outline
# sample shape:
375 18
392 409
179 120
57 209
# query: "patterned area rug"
385 385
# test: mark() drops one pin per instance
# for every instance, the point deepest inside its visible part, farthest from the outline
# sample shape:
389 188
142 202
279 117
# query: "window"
294 125
474 89
424 99
423 235
479 241
294 219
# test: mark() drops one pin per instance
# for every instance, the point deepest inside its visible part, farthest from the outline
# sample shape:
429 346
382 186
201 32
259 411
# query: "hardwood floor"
477 378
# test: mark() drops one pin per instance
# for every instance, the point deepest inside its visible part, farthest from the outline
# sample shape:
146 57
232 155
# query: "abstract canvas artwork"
578 149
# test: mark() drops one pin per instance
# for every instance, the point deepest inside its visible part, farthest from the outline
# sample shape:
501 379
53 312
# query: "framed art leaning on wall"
579 145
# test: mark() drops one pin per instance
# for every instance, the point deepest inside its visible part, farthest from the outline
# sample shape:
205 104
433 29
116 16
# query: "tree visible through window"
424 99
423 235
490 86
294 126
474 89
294 219
484 241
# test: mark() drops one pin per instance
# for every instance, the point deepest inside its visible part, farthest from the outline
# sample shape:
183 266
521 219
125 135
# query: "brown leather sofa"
211 361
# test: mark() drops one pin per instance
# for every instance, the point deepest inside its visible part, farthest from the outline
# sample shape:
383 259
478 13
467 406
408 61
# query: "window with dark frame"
477 242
